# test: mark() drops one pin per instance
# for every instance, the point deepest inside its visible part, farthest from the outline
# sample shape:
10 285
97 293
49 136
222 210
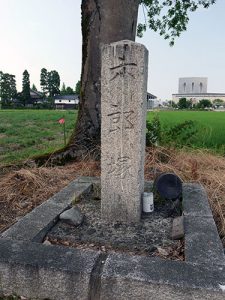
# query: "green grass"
210 125
25 133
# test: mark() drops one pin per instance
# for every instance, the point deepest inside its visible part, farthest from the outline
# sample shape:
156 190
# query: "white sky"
47 33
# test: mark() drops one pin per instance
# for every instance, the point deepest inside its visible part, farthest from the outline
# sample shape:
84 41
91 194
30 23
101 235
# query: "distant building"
35 98
72 101
195 89
66 101
152 101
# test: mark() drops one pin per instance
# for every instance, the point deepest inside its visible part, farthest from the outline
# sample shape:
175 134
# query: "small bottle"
148 203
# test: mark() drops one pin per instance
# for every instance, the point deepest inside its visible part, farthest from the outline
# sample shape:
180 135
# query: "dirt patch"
14 147
49 138
3 150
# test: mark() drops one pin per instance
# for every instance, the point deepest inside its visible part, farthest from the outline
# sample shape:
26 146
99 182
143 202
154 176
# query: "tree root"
68 153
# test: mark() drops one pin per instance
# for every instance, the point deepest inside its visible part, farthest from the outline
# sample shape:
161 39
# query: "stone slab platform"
35 225
202 242
37 271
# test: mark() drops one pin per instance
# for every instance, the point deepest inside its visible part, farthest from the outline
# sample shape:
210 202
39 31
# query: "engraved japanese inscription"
120 167
122 70
119 120
123 112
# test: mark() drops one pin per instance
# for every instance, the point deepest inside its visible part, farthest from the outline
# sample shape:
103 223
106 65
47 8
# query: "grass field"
210 127
25 133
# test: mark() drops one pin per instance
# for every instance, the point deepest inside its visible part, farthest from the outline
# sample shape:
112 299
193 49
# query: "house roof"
66 97
152 96
35 93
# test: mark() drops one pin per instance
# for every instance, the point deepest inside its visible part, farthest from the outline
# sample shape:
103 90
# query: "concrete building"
152 101
195 89
193 85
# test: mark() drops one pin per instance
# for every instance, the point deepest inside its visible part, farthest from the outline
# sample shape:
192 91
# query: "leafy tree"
183 103
69 91
53 83
204 103
1 74
77 88
34 87
63 89
173 104
168 17
50 82
13 90
44 80
7 88
66 90
26 87
218 102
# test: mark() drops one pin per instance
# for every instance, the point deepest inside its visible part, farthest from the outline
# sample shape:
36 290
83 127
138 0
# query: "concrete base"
34 270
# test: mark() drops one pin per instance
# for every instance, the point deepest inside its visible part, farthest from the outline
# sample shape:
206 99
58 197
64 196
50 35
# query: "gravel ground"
150 234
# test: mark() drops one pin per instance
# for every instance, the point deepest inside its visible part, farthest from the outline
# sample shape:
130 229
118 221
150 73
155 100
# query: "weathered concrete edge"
35 225
31 269
195 201
202 241
97 180
131 277
88 179
136 277
35 270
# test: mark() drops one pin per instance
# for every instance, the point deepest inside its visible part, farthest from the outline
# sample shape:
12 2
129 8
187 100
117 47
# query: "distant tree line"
184 103
49 82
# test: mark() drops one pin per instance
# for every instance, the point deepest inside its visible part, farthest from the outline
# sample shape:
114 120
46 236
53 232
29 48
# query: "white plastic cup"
148 203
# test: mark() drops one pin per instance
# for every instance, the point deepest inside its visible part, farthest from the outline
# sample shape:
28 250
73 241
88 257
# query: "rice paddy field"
25 133
209 125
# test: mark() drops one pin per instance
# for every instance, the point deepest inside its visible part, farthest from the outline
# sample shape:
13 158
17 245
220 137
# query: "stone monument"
123 113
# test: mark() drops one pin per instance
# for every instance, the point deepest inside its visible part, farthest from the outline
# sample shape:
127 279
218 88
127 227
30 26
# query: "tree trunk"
103 22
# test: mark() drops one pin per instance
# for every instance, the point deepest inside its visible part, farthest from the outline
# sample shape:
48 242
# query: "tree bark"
103 22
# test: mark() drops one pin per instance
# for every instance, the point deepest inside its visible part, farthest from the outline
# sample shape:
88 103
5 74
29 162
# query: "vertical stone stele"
123 113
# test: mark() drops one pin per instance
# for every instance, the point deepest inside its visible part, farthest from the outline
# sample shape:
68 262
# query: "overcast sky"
46 33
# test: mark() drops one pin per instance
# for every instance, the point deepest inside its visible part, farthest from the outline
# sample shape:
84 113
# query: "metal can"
148 203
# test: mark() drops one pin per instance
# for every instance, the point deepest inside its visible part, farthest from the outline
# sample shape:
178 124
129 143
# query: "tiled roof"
66 97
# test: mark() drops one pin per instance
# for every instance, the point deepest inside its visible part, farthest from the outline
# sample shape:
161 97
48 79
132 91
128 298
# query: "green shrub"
181 134
153 131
